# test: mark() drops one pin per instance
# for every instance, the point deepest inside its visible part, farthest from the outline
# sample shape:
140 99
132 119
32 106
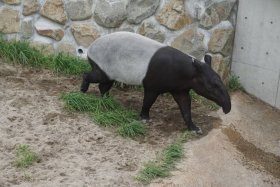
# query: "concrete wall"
257 48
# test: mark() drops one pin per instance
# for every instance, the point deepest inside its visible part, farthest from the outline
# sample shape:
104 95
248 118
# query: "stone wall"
195 27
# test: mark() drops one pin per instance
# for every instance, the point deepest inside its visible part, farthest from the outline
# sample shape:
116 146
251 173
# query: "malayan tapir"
137 60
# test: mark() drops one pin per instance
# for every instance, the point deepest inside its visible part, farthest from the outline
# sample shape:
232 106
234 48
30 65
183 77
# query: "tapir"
137 60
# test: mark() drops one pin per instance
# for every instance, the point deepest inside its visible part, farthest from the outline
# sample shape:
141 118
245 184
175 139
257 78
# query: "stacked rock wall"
195 27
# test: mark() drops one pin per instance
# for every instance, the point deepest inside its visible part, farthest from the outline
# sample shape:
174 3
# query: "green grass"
106 112
77 101
21 52
114 117
25 156
121 85
234 84
163 165
165 162
27 177
132 129
66 64
202 100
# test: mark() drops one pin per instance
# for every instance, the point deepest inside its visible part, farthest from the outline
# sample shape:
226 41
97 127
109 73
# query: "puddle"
253 155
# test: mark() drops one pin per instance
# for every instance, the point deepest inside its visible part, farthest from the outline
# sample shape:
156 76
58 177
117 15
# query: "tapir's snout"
227 105
227 109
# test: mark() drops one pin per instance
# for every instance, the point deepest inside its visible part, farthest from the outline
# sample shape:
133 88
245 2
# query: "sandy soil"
76 152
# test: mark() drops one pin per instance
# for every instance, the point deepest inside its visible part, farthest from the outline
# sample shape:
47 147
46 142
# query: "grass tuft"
185 136
234 84
21 52
171 154
151 171
89 103
132 129
27 177
202 100
162 166
25 156
105 112
116 117
69 65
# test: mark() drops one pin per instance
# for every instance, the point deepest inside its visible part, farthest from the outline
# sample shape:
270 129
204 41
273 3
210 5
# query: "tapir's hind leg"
90 77
149 99
85 83
104 87
183 99
96 76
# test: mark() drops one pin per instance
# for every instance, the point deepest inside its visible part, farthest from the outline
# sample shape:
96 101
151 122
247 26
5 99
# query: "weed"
151 171
234 84
66 64
114 117
105 112
27 177
132 129
162 166
89 103
185 136
202 100
22 53
25 156
171 154
121 85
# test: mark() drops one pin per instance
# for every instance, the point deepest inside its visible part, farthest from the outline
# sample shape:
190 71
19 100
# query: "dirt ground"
238 149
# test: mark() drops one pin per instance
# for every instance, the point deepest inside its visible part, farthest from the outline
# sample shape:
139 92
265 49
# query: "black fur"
96 76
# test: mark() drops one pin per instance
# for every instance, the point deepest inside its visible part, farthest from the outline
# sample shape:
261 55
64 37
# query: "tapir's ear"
208 59
197 64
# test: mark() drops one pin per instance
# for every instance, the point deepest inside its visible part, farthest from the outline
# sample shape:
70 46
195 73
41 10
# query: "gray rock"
45 48
149 30
66 47
127 29
84 33
79 9
173 15
190 42
27 28
110 13
216 12
54 10
30 7
221 40
49 29
9 20
12 2
138 10
222 66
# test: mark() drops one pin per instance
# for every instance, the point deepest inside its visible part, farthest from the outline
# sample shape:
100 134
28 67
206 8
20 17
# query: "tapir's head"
207 82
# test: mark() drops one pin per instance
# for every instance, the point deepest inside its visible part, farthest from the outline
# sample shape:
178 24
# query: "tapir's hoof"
83 90
146 121
196 130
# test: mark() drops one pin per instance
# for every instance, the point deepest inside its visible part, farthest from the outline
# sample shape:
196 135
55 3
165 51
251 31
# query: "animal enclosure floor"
76 152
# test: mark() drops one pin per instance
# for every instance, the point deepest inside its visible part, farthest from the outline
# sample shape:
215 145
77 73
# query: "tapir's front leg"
183 99
149 99
85 83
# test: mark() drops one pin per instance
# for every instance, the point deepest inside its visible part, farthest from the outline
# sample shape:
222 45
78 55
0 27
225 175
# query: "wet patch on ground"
254 156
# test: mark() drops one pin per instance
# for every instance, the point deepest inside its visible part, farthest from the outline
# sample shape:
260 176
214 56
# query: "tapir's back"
124 56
